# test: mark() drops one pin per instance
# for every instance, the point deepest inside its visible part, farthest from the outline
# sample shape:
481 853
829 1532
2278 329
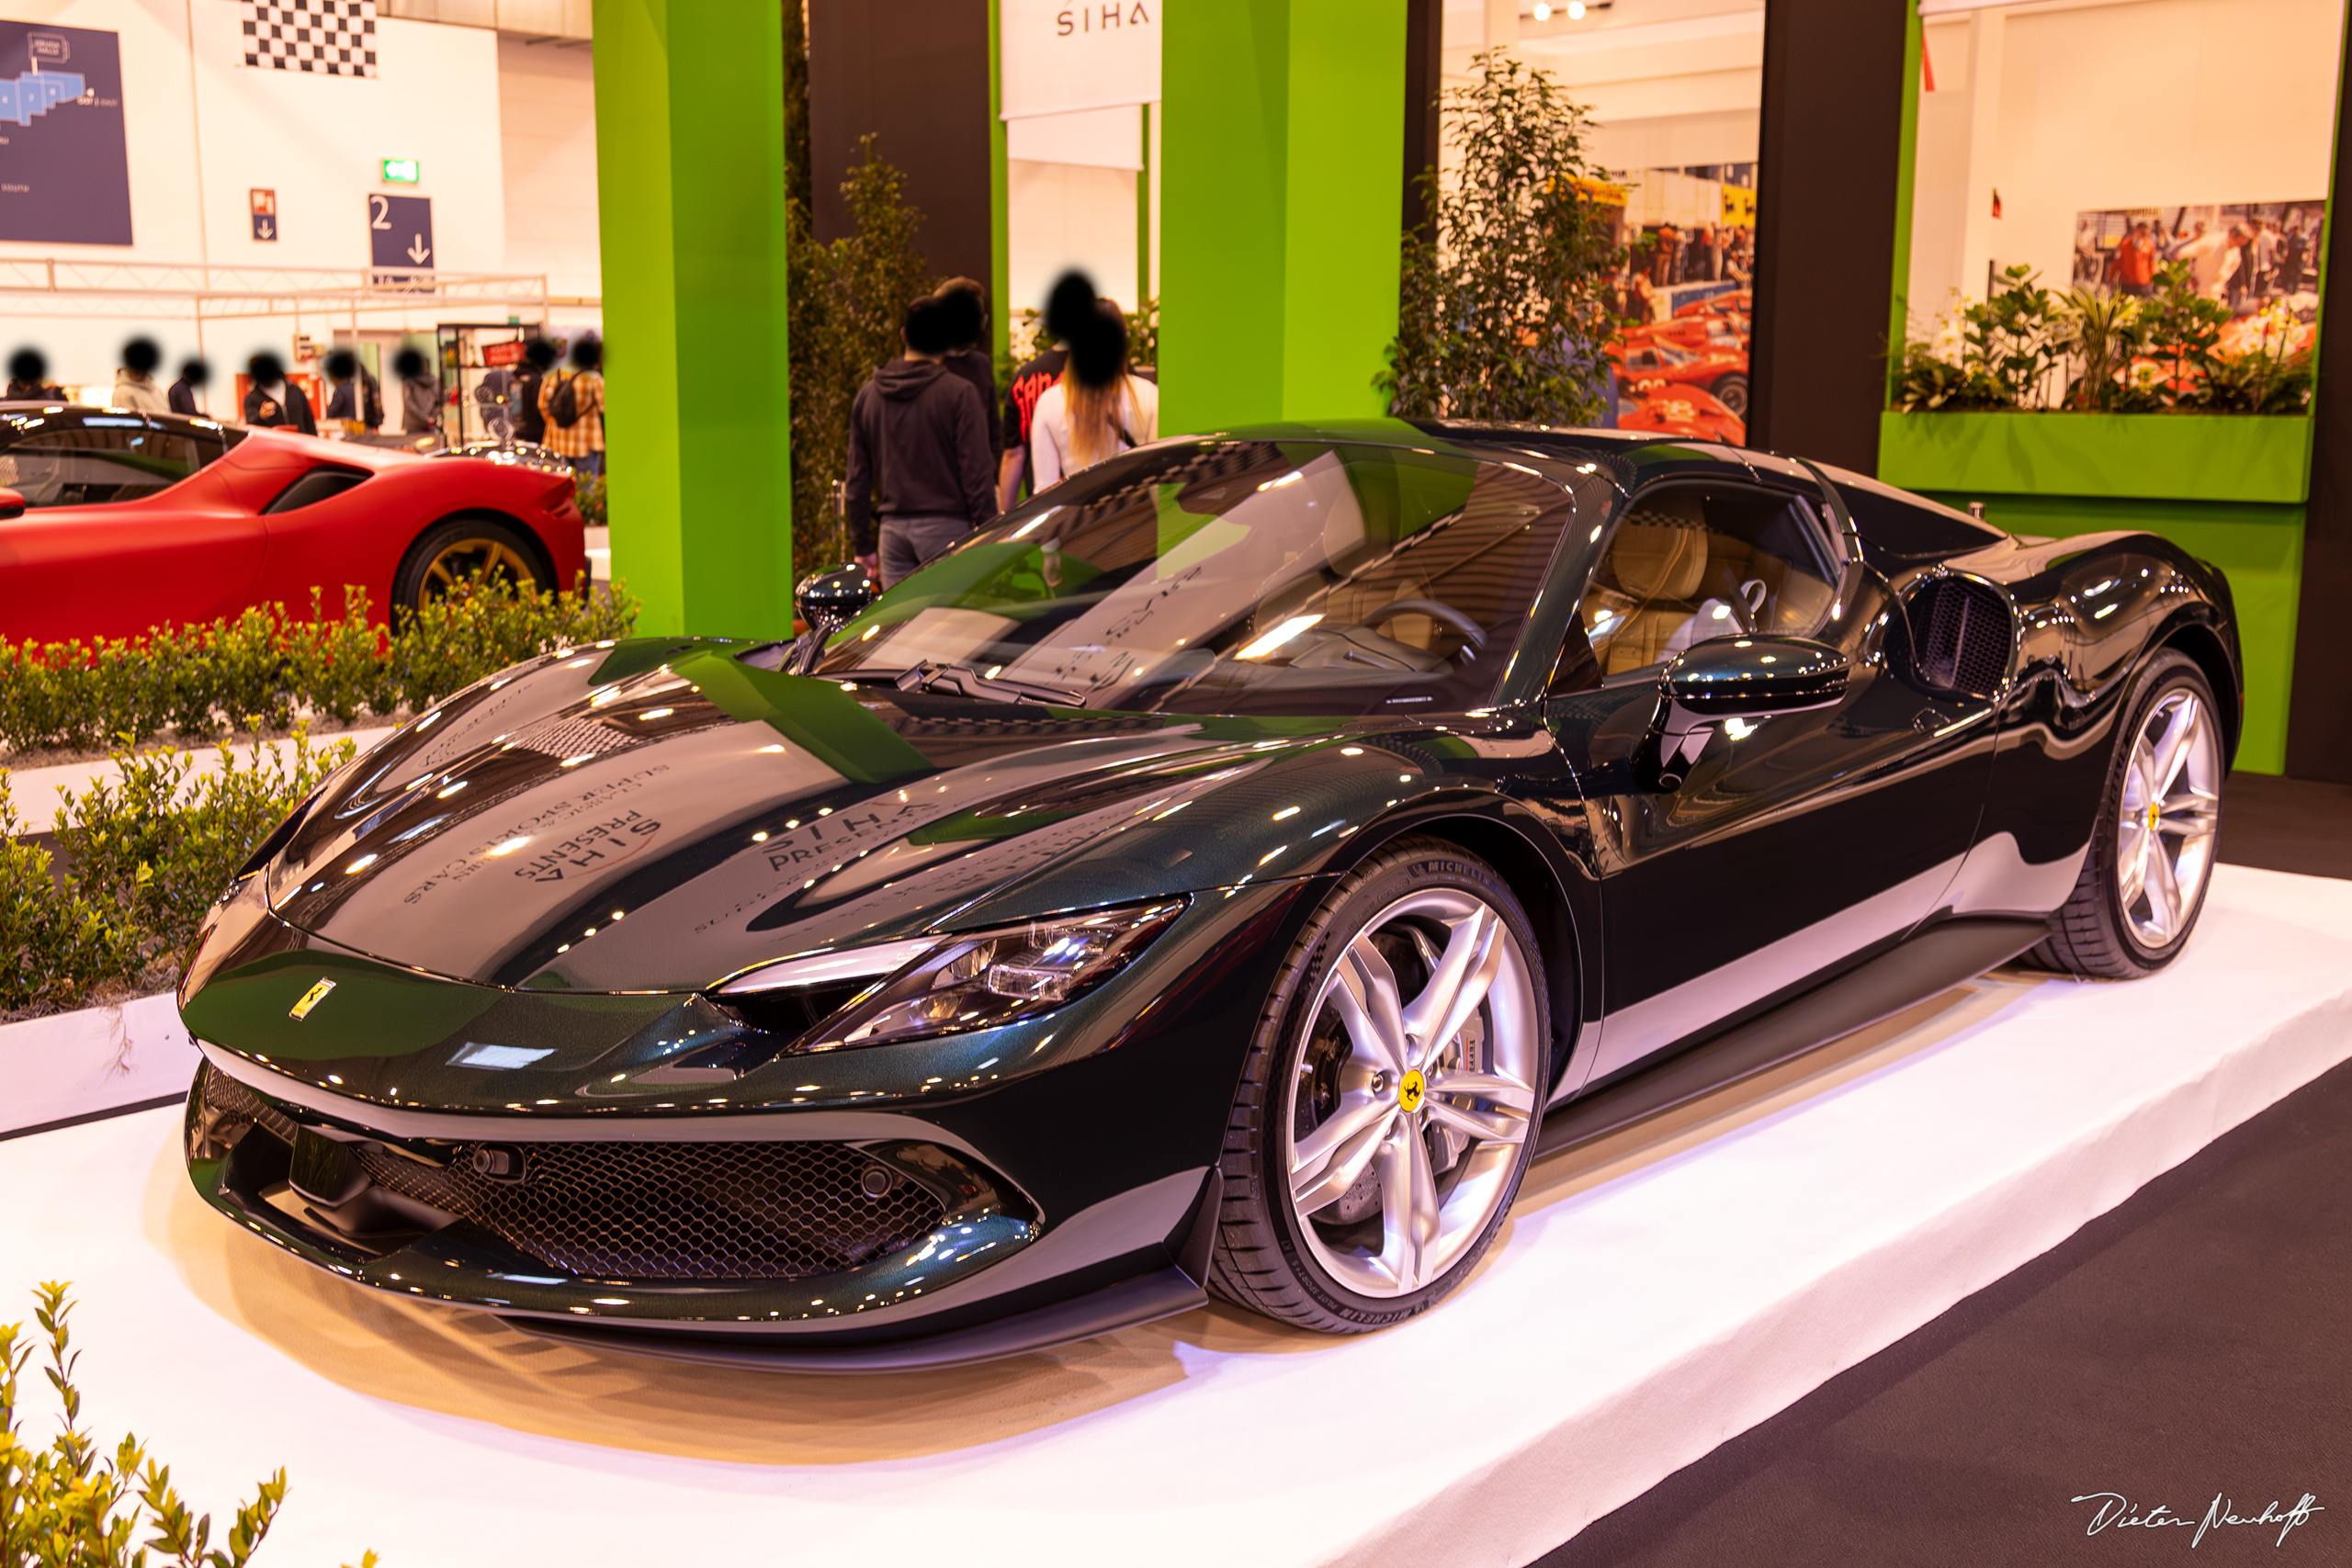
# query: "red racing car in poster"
1643 364
1684 411
114 522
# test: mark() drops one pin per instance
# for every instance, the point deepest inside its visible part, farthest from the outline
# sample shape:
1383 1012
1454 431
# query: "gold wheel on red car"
475 561
461 555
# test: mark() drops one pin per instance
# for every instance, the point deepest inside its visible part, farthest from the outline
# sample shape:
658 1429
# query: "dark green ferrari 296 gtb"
1221 875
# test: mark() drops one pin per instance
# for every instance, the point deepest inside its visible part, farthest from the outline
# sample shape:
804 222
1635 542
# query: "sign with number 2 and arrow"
400 232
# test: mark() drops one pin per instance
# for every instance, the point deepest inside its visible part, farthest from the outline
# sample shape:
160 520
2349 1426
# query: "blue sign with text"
64 164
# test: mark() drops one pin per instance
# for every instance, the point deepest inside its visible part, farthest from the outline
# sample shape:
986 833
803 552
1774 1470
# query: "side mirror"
828 601
12 504
1733 680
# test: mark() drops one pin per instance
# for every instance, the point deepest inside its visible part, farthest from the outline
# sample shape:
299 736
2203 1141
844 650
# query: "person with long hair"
1099 408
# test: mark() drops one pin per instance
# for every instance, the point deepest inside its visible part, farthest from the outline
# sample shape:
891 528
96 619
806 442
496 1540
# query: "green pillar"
1281 195
691 212
1000 204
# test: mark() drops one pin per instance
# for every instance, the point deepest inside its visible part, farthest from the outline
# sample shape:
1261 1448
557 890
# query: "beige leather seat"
1645 590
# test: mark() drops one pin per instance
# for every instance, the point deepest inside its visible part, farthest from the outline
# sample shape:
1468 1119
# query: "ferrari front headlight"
985 979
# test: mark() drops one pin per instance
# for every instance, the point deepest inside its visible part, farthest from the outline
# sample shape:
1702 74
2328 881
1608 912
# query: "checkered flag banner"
326 38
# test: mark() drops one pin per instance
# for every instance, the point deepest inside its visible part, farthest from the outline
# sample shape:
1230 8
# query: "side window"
1690 563
80 467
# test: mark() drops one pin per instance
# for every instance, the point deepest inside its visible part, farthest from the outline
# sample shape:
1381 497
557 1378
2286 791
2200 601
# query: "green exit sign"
400 170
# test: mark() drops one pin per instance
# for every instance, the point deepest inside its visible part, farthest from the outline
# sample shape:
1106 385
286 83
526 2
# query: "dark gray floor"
2287 825
2194 1340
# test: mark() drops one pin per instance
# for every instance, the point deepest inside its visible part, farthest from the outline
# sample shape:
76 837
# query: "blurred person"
2266 255
1646 305
968 305
28 379
1029 382
194 375
573 407
2237 265
538 358
2294 255
2136 263
344 371
1098 408
134 383
419 393
273 400
2206 254
918 452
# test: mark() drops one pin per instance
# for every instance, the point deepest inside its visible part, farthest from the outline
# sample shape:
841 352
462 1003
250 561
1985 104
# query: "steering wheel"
1472 631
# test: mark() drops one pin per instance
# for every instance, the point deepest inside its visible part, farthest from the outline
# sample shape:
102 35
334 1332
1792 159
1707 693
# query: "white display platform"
83 1064
1655 1293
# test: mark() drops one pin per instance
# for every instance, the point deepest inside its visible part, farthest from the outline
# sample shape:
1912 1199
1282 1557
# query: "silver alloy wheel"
1405 1118
2172 800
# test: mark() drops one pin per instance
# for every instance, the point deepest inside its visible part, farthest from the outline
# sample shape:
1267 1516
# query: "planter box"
74 1064
2154 457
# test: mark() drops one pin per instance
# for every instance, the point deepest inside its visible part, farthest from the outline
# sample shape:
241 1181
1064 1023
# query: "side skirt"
1935 959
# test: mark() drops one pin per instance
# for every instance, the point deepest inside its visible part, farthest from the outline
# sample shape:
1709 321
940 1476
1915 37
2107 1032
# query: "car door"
107 546
1794 842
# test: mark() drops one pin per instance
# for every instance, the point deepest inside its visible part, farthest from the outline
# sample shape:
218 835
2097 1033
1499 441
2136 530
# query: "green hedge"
142 858
267 666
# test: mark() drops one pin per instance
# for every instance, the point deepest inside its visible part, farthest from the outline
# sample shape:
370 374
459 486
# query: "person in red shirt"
1029 384
2136 263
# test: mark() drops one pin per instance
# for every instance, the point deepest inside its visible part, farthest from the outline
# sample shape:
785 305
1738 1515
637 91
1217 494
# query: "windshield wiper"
966 681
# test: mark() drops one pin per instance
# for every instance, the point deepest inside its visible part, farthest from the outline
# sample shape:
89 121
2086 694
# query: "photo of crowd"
1689 236
2251 257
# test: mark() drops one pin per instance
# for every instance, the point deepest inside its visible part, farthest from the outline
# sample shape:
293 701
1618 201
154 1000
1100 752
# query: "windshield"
1241 577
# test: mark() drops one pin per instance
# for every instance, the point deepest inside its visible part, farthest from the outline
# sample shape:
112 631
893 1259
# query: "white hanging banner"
1062 55
1103 139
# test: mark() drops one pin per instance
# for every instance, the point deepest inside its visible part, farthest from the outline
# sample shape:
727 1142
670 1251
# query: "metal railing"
62 286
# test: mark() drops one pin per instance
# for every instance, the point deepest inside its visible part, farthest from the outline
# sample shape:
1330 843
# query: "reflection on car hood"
660 815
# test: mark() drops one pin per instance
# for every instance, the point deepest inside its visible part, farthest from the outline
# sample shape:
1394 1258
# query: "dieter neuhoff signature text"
2113 1510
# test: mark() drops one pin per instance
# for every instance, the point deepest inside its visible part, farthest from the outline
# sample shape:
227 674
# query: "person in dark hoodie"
968 306
273 400
918 452
185 392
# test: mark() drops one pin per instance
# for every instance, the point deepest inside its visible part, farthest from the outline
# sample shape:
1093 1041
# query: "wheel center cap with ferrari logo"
2154 811
1410 1091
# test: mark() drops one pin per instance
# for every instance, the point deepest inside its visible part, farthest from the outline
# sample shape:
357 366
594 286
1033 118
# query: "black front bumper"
426 1209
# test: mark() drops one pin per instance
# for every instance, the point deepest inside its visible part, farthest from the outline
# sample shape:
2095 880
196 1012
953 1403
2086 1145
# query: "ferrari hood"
656 817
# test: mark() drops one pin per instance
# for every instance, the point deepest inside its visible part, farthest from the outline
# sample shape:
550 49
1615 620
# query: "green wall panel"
690 192
2147 456
2260 547
1281 208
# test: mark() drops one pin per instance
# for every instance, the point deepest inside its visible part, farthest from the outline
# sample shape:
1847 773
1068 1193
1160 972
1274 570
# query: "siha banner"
1061 55
64 165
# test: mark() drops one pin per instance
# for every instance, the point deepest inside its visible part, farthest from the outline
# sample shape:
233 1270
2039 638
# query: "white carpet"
1655 1294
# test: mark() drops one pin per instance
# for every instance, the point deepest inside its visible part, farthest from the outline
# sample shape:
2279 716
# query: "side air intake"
1958 637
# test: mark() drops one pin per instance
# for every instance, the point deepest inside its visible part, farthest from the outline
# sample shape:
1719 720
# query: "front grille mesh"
656 1210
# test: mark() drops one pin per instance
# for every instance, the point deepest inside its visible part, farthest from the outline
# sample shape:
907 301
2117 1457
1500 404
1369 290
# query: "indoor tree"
1504 301
847 297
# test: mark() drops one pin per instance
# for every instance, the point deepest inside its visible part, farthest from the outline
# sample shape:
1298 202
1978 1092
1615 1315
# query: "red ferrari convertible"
114 522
